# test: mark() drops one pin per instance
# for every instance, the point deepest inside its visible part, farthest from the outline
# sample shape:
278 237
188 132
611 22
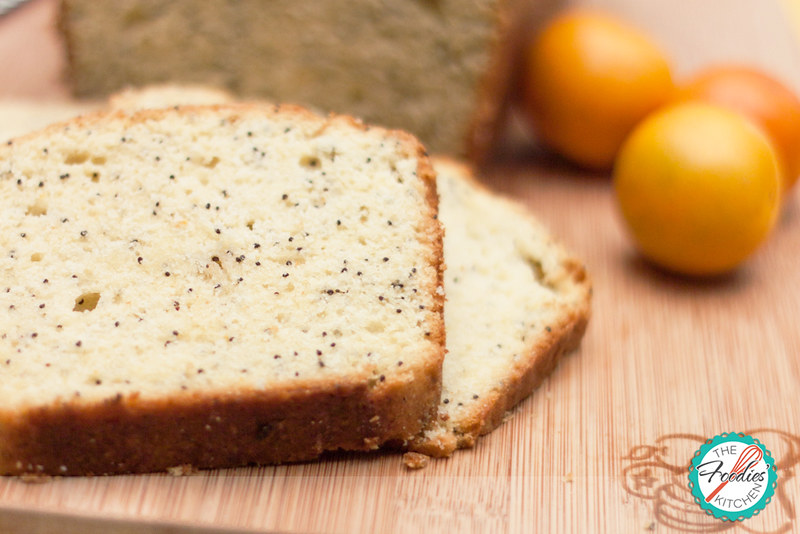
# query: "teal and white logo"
732 476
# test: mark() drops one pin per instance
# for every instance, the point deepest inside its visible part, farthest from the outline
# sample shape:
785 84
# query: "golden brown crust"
63 29
436 234
494 87
516 20
294 423
128 435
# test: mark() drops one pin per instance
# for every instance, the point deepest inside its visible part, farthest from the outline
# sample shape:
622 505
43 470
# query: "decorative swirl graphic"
657 474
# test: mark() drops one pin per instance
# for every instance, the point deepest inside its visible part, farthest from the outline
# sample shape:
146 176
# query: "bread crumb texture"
214 253
415 460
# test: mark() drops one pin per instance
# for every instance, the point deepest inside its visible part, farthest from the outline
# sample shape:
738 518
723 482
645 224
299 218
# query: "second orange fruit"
589 79
760 98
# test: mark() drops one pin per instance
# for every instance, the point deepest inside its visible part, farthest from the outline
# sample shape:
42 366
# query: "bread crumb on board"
29 478
415 460
182 470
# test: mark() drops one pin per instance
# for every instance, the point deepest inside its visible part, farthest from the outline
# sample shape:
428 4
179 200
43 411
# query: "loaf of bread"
516 302
440 69
214 286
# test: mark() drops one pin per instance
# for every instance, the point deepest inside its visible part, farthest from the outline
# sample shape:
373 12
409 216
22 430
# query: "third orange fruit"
760 98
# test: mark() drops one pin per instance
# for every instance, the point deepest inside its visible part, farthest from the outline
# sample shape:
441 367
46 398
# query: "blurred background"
694 33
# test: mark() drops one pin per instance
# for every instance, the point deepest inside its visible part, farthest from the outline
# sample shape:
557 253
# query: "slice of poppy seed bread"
516 302
168 94
214 286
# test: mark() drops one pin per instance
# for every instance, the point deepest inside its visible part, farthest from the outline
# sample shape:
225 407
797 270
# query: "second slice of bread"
516 302
214 286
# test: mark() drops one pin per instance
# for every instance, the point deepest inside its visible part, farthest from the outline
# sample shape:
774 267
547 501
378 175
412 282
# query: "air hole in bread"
309 161
250 224
211 163
375 327
37 208
98 160
538 273
76 157
37 256
86 302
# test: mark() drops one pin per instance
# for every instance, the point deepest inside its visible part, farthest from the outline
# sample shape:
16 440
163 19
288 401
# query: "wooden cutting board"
602 446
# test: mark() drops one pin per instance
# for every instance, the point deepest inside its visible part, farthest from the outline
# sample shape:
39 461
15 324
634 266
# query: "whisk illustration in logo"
732 476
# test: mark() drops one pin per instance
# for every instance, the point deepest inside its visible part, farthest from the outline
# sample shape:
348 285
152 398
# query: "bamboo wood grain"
602 446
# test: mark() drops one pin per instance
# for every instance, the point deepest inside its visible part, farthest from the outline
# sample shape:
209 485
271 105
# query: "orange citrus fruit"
699 188
588 80
759 97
